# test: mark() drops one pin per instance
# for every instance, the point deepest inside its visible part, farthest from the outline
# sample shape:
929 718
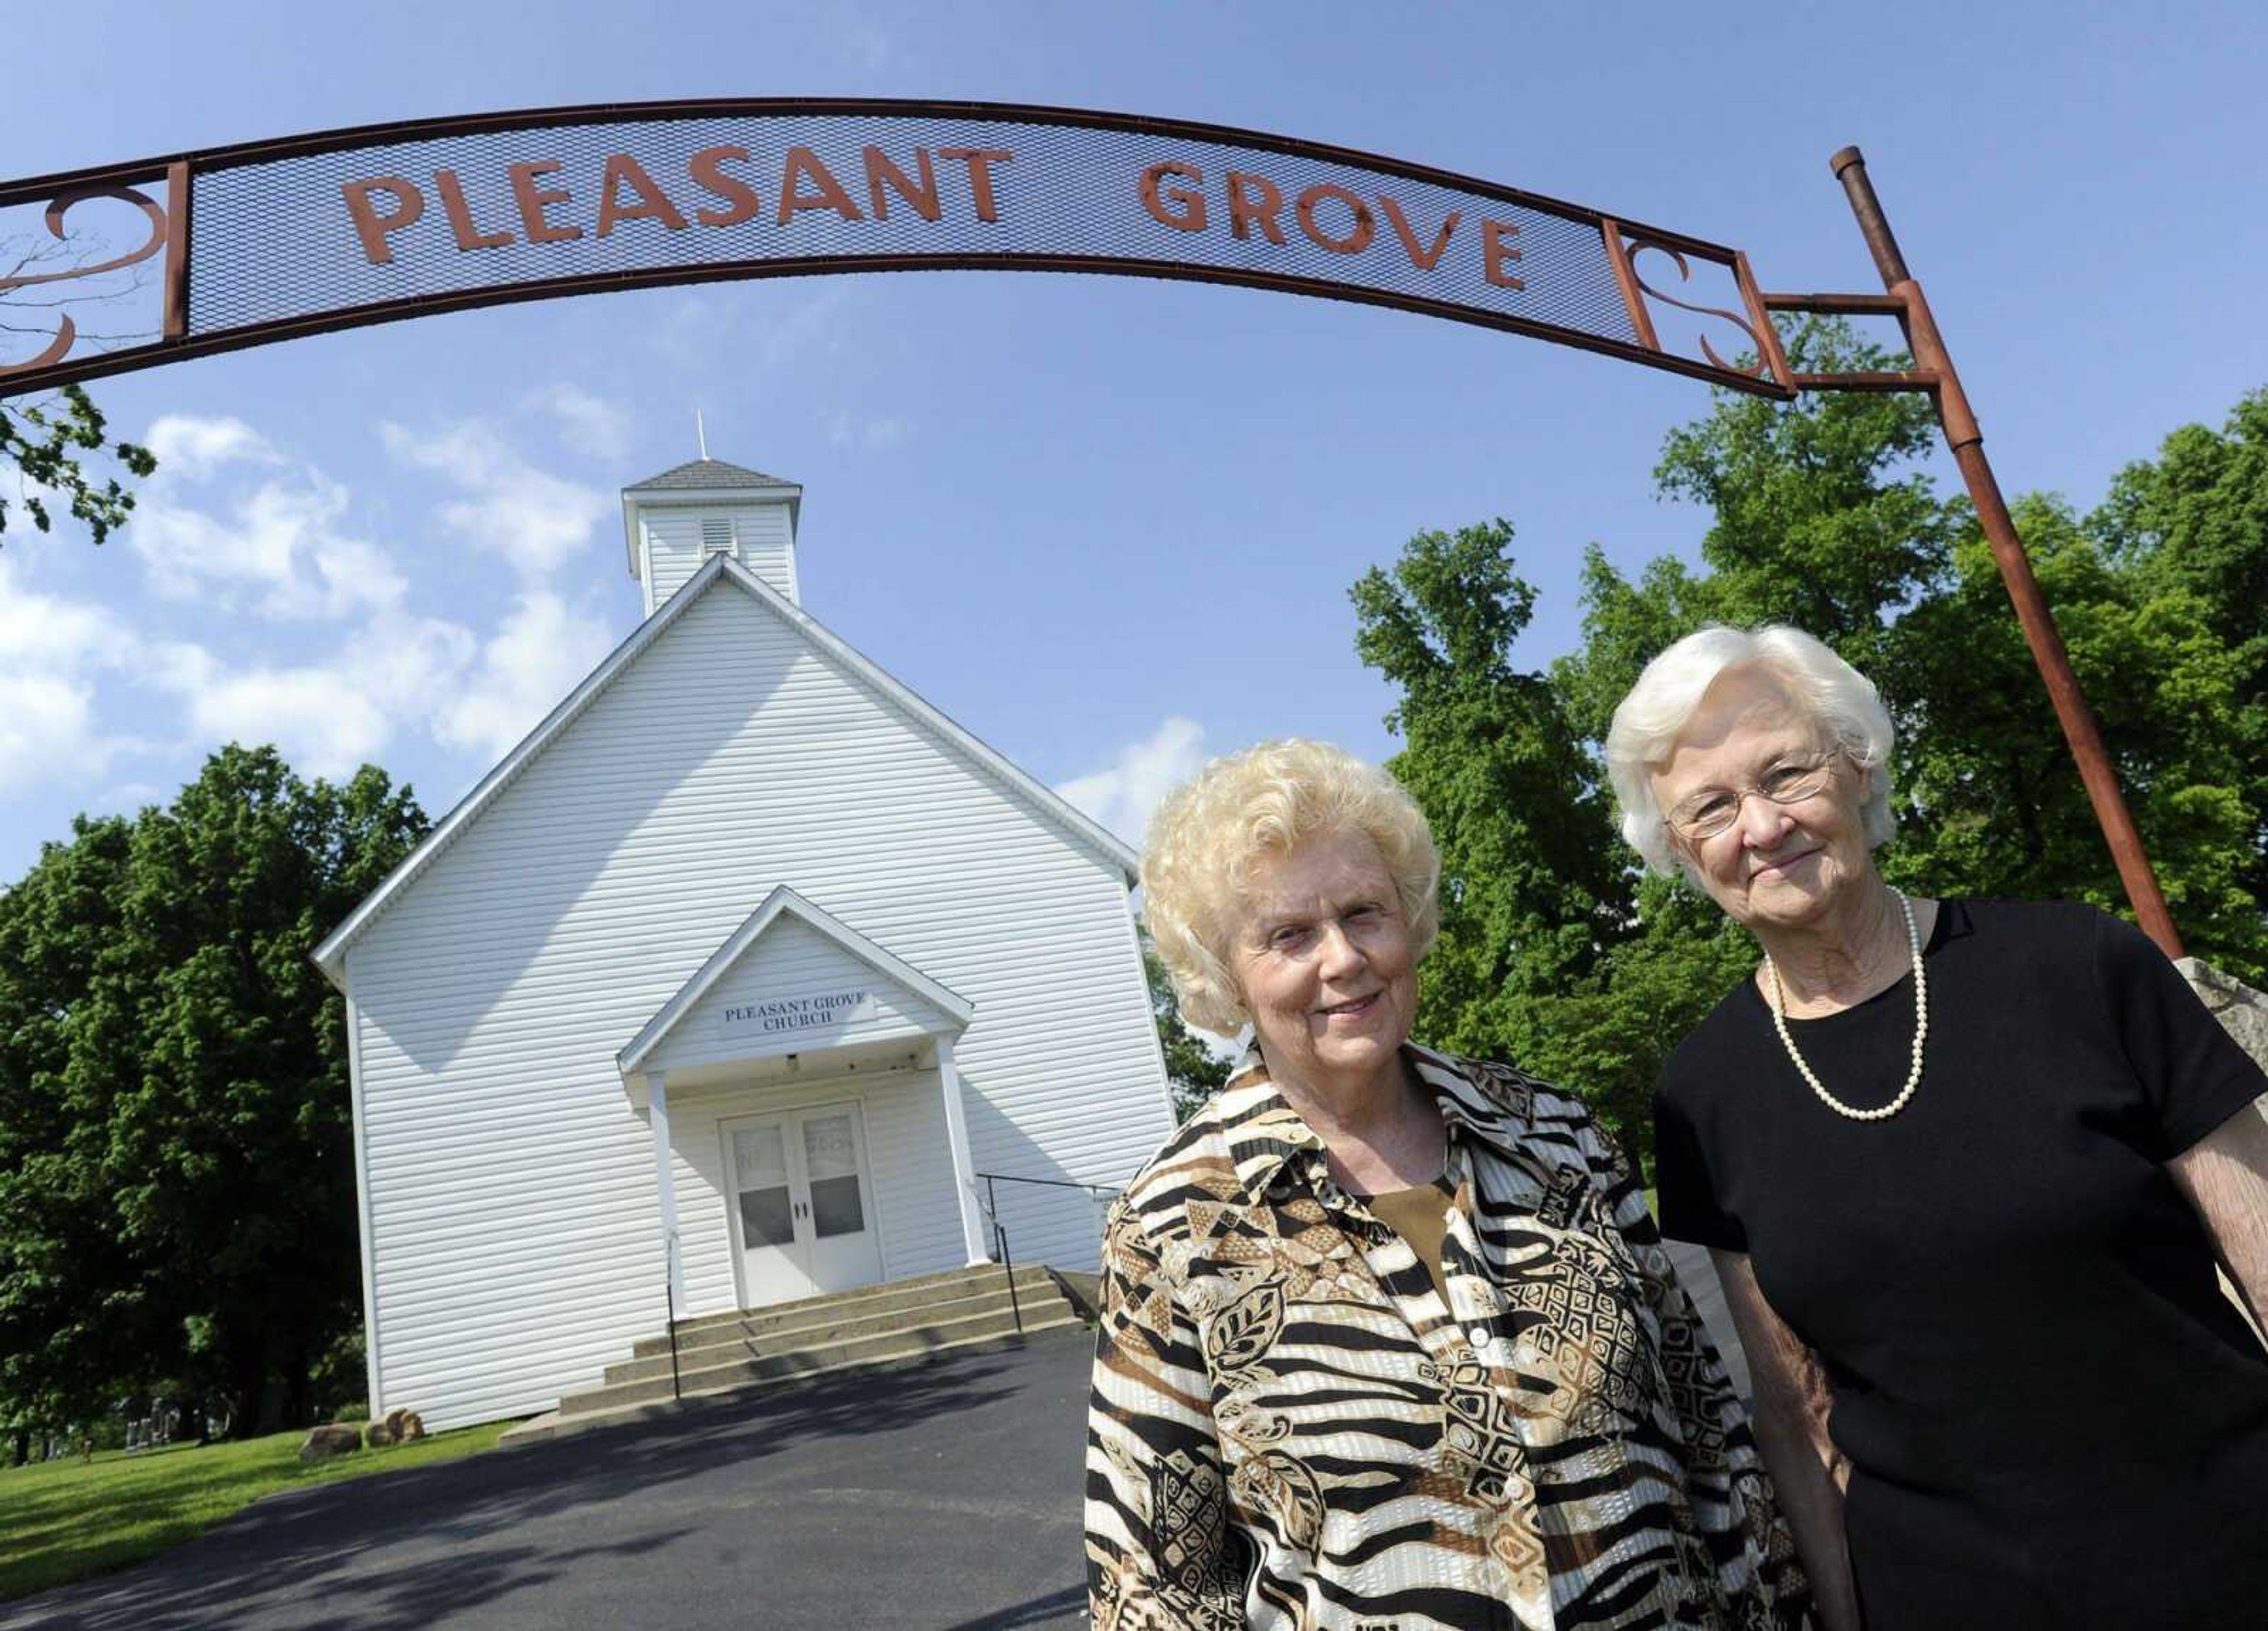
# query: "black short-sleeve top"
2053 1415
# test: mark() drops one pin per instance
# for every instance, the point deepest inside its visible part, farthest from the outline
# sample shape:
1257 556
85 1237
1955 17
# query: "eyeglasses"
1712 810
1359 925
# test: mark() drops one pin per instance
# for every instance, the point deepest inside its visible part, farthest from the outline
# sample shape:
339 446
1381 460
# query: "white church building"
721 990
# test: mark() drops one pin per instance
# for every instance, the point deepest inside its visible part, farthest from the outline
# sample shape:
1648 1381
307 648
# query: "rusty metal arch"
1580 287
260 241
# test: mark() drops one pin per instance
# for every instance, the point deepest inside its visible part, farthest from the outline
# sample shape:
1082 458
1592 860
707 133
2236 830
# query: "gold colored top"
1421 1218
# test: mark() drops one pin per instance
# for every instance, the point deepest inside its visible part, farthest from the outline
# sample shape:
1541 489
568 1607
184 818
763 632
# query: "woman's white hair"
1265 802
1648 721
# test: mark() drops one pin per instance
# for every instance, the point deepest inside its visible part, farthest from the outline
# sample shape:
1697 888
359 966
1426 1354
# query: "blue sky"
1108 525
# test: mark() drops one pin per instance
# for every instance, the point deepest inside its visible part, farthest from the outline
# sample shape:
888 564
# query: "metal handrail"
669 1306
991 1205
1000 1241
1050 1183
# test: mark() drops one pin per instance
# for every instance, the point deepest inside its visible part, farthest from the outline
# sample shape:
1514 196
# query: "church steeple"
674 522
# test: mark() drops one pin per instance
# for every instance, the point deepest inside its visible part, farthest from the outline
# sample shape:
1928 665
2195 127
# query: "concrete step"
819 1352
555 1424
951 1282
717 1343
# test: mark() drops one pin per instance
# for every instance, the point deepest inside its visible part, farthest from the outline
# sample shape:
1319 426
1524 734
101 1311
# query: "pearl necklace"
1921 1029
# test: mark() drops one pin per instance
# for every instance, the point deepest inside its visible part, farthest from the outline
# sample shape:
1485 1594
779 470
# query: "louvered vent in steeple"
674 524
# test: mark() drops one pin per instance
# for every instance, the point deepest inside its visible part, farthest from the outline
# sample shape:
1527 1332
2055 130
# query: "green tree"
1557 954
176 1184
1532 898
1193 1071
2194 522
46 441
1817 519
1991 802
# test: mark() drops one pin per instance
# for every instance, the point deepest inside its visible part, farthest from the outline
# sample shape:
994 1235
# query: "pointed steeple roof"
706 473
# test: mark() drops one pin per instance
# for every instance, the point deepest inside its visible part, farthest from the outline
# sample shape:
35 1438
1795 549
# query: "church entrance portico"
805 1117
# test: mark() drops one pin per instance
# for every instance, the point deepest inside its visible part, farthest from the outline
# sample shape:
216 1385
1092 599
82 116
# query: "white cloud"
1122 795
806 322
51 650
873 45
758 330
323 725
285 543
845 428
193 447
533 519
327 718
131 796
42 634
591 424
281 541
46 722
539 653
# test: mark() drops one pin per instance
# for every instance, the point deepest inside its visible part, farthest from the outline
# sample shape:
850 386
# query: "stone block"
333 1438
2243 1011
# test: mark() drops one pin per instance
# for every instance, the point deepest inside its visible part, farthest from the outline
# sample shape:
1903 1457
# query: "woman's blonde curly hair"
1266 801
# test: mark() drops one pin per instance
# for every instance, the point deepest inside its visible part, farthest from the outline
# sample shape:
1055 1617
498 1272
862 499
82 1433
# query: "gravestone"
2243 1011
2243 1014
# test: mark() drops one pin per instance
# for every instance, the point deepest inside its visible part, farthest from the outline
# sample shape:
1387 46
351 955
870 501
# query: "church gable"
727 670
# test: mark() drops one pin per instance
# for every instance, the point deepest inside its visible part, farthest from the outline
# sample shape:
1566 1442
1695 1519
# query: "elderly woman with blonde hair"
1965 1168
1388 1337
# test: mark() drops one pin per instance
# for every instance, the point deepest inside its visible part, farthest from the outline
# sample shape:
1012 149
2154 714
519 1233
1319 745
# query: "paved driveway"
941 1497
944 1497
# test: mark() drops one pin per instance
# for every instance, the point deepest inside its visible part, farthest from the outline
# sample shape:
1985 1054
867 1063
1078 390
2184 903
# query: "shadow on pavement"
1055 1608
293 1558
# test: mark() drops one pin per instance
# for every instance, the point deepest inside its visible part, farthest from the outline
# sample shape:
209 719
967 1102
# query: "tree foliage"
1194 1072
1558 953
49 442
177 1197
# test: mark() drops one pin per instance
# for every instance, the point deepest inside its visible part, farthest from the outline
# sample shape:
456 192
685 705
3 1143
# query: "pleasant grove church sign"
787 1015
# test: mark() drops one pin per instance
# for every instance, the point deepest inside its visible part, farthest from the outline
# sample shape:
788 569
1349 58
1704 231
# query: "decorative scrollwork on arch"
67 330
1684 274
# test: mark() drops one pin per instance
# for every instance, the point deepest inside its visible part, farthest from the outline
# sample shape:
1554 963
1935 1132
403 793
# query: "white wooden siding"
790 958
514 1226
675 552
909 1162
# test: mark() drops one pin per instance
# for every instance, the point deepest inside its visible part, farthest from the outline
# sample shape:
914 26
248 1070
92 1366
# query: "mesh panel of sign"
300 237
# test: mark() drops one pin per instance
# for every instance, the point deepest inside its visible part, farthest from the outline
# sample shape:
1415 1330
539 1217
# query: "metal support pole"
1967 442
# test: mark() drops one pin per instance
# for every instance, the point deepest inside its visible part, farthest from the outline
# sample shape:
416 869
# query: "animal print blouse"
1290 1429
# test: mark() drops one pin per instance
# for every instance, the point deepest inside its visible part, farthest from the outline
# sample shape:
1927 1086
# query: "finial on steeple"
701 433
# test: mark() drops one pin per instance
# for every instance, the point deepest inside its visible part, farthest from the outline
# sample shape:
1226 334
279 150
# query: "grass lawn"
62 1521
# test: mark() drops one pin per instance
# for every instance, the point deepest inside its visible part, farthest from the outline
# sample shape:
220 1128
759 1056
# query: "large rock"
399 1427
333 1438
2241 1010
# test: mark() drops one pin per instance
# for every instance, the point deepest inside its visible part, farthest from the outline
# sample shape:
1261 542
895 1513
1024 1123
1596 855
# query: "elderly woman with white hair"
1965 1168
1388 1337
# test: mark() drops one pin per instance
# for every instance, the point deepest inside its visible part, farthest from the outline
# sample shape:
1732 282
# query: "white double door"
803 1203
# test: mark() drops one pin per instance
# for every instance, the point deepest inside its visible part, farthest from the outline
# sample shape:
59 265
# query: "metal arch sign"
270 240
